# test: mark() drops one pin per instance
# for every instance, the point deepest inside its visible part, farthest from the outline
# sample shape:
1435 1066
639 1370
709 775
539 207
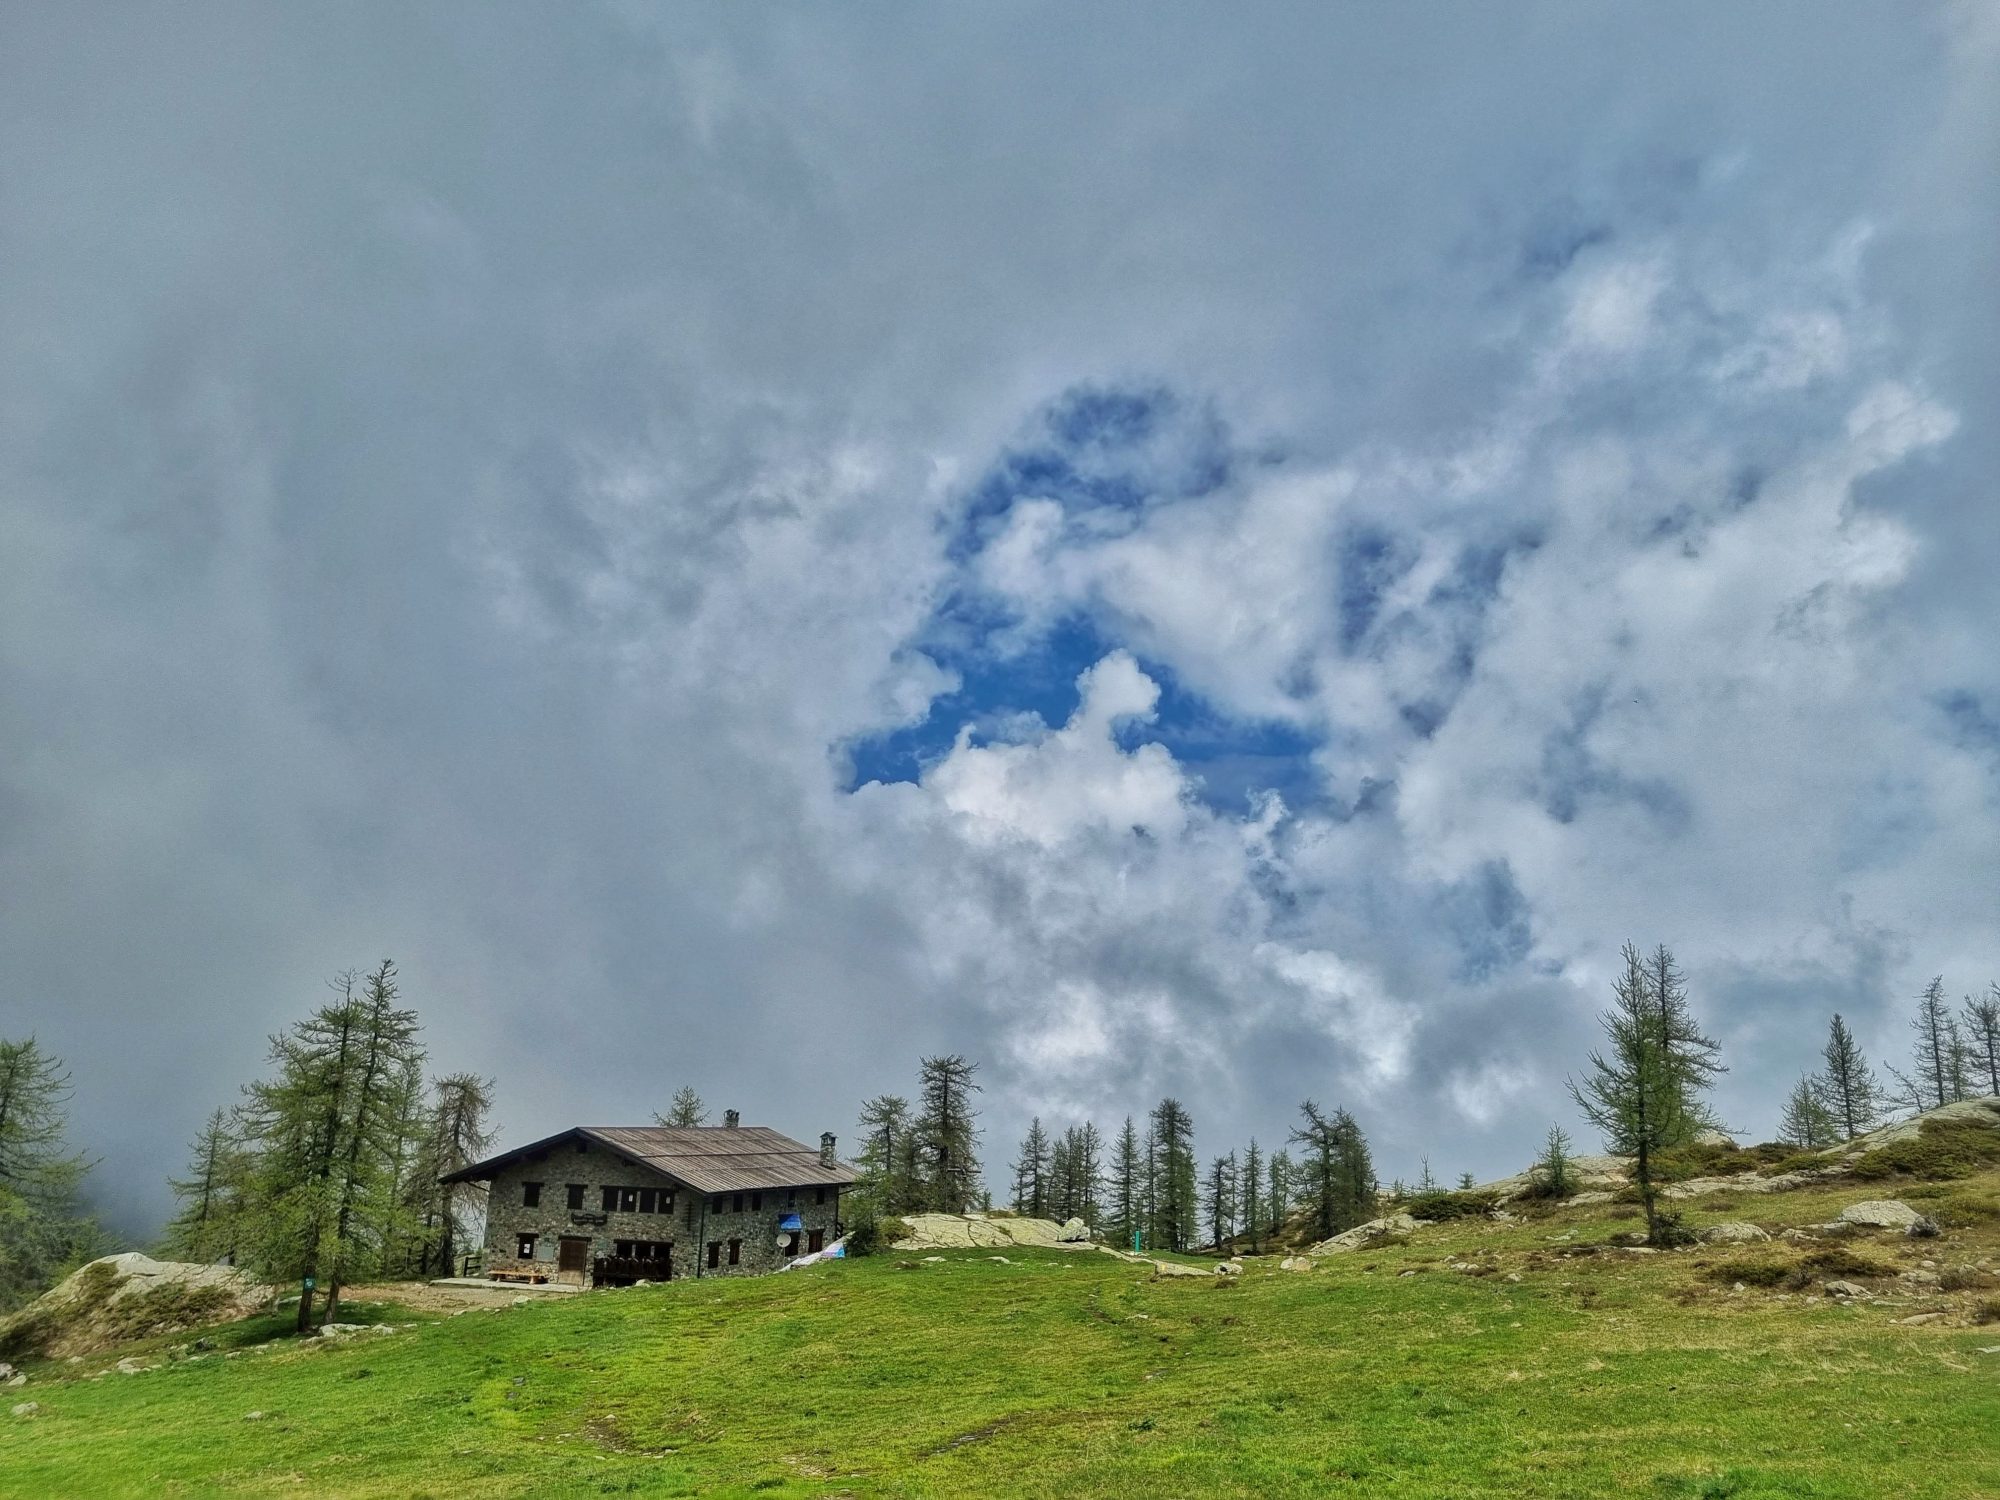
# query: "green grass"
1598 1372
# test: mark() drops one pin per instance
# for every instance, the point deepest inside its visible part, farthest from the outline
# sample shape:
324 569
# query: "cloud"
1350 521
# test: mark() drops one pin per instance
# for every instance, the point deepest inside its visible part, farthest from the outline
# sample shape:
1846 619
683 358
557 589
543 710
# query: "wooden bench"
530 1278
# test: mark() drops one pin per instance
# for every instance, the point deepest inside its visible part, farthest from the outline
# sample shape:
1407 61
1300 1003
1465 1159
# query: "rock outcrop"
1734 1233
1878 1213
1361 1236
979 1232
129 1296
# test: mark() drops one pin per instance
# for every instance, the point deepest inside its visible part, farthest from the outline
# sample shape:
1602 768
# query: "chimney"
826 1156
731 1119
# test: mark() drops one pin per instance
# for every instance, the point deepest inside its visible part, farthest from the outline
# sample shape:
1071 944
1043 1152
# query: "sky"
1236 552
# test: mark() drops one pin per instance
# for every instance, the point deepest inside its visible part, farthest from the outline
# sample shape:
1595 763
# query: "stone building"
608 1205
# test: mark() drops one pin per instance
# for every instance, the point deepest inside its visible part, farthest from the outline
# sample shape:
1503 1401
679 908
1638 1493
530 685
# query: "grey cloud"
462 476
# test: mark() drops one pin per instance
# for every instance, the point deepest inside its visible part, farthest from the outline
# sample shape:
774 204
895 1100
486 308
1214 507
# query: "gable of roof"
706 1158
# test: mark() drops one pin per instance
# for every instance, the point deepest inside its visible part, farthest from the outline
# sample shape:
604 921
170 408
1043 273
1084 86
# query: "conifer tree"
1982 1037
1644 1091
1467 1182
1278 1197
1334 1163
1939 1077
43 1231
686 1111
1425 1182
1852 1095
1080 1179
1551 1168
1172 1177
457 1135
1127 1187
1807 1122
948 1137
210 1220
388 1056
1252 1216
1031 1172
887 1157
1220 1199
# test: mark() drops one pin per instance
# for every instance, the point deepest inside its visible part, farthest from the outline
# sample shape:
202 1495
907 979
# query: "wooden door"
814 1241
573 1254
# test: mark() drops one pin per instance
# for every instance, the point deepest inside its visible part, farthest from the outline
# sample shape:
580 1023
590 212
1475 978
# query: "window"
717 1205
641 1249
791 1245
611 1200
575 1191
791 1198
714 1254
531 1195
736 1252
819 1195
815 1241
737 1206
649 1200
756 1203
524 1247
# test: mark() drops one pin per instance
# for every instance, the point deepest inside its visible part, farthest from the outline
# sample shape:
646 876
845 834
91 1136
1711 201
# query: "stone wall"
693 1223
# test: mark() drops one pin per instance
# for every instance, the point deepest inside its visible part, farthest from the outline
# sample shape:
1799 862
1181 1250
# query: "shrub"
1959 1207
1966 1279
868 1235
1436 1206
1987 1311
1836 1263
1762 1270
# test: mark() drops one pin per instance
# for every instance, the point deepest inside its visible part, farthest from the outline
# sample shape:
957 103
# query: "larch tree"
1031 1172
1278 1195
1806 1121
1847 1083
387 1056
887 1154
43 1230
1336 1174
1644 1089
948 1134
1219 1198
686 1111
1174 1172
1939 1075
294 1121
209 1222
1126 1188
1551 1171
1981 1020
457 1135
1251 1210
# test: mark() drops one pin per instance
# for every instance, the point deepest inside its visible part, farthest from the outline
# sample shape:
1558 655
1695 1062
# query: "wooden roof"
707 1158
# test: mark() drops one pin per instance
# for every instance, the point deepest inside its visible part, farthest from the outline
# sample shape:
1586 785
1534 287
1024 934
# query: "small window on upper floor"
531 1195
736 1204
575 1191
819 1195
756 1203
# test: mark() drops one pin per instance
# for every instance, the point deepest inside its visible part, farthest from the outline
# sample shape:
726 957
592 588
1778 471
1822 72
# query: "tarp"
836 1251
790 1221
